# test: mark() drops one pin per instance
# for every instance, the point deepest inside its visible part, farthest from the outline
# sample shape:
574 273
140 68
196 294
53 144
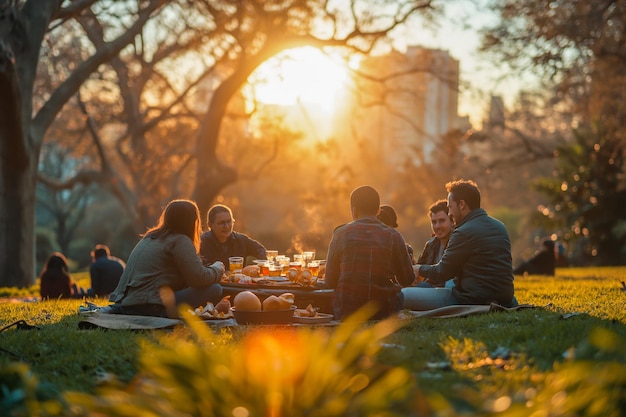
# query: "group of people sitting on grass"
105 271
467 260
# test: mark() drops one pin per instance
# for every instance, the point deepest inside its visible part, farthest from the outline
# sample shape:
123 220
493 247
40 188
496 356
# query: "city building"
405 102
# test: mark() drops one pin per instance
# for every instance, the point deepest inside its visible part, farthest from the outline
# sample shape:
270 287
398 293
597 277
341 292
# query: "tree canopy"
578 47
124 66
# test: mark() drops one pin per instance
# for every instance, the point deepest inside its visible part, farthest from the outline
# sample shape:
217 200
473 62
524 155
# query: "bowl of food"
282 316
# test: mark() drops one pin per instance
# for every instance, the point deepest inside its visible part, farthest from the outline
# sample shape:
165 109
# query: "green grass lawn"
566 357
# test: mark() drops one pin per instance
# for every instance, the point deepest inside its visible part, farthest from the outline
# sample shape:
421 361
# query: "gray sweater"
479 255
170 261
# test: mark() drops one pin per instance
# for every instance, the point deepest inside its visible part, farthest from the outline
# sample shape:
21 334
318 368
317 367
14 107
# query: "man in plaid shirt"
367 260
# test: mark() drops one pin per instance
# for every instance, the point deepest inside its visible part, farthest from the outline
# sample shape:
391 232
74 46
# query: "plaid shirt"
367 261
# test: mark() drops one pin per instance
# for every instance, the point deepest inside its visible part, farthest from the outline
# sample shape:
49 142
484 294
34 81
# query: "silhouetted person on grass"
541 264
105 271
55 280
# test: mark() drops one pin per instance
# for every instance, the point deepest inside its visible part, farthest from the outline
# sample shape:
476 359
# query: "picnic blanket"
126 322
462 310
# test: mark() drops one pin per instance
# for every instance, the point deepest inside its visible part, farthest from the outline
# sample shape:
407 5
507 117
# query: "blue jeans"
193 297
423 298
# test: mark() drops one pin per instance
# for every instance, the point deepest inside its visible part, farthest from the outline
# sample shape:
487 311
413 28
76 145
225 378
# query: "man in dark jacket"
105 271
222 242
442 226
478 255
540 264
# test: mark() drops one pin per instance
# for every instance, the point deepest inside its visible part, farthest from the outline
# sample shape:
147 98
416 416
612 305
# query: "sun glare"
299 76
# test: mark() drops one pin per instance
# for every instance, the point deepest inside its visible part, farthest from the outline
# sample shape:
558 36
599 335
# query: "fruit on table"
247 301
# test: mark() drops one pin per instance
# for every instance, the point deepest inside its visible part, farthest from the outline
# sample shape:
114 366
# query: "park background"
119 107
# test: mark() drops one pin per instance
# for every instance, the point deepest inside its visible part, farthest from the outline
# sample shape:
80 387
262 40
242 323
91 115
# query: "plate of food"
277 279
310 315
220 311
319 318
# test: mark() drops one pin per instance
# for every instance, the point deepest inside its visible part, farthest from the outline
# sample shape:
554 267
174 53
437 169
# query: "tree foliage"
132 69
579 47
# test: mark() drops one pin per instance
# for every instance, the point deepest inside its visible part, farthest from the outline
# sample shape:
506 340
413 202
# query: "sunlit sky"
308 76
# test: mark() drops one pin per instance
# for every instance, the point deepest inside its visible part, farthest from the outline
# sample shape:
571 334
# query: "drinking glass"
236 264
314 267
307 257
271 255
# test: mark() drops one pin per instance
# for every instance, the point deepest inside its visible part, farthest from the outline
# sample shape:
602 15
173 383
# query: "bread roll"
286 300
272 303
247 301
252 271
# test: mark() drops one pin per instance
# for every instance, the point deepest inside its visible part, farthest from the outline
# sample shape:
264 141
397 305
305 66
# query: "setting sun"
303 75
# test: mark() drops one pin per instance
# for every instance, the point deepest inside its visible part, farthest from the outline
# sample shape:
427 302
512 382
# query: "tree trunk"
17 222
212 174
17 185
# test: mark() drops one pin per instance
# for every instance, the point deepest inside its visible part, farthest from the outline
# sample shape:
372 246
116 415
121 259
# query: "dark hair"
179 217
437 206
465 190
100 250
548 243
366 200
215 210
388 216
55 262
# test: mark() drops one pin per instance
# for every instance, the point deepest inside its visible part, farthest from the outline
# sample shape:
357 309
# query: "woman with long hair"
166 261
55 280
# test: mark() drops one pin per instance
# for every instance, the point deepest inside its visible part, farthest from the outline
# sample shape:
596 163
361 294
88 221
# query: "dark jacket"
105 273
430 255
479 256
540 264
237 244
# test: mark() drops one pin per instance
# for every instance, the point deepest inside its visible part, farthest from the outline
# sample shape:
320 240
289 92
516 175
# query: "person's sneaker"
88 308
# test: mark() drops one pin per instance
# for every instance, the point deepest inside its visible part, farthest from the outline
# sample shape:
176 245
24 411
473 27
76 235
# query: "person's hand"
418 278
219 267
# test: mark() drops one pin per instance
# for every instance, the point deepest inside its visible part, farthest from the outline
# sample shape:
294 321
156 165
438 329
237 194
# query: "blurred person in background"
387 215
543 263
55 280
105 270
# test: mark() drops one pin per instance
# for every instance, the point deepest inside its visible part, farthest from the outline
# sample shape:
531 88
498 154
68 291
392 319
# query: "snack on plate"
209 311
303 277
272 303
287 299
310 311
224 305
253 271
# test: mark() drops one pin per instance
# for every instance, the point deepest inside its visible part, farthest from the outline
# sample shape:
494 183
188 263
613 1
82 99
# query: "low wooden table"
321 298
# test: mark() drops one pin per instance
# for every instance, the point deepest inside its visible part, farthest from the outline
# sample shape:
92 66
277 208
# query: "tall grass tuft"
272 371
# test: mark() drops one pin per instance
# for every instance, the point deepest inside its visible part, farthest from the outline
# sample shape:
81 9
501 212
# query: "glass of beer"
271 255
314 267
283 262
236 264
274 270
263 265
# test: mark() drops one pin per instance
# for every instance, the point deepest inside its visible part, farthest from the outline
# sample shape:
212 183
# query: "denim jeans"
421 298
